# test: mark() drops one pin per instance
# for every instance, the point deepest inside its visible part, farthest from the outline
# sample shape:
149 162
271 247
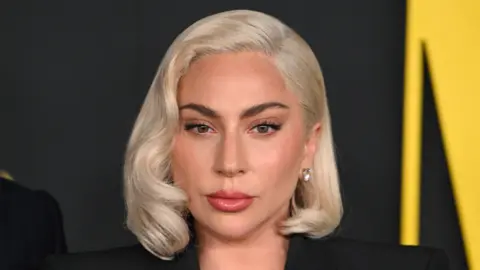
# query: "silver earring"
307 174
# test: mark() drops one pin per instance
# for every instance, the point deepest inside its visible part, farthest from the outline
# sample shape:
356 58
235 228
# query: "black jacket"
30 227
303 254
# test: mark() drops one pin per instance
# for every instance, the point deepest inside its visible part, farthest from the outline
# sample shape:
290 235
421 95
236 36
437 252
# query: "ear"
311 142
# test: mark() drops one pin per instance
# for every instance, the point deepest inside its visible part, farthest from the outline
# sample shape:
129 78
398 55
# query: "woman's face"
241 144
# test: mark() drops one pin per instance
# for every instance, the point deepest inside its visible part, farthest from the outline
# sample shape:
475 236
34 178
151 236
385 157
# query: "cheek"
190 161
277 161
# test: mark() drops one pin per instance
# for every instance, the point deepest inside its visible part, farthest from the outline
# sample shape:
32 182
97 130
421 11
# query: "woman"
231 162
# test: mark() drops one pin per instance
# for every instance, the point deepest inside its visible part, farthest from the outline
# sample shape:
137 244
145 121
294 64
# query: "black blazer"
30 227
303 254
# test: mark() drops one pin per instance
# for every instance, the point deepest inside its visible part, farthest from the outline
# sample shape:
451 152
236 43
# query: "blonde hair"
156 209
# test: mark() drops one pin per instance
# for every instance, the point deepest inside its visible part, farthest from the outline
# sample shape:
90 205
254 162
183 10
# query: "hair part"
156 209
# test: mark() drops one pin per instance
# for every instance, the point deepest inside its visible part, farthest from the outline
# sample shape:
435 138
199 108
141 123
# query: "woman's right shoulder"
122 258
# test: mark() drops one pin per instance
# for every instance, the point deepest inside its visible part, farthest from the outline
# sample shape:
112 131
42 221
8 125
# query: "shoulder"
354 254
26 205
21 195
130 257
9 187
33 225
30 204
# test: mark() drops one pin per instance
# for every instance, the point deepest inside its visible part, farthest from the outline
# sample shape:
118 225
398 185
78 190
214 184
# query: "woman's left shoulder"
356 254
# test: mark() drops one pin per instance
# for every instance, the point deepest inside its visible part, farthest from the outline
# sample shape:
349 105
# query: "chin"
230 226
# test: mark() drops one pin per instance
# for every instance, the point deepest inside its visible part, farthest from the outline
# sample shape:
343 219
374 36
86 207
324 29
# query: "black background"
74 74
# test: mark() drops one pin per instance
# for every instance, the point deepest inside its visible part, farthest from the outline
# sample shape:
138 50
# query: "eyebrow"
249 112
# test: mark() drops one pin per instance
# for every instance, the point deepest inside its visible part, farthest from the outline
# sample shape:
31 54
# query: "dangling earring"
307 174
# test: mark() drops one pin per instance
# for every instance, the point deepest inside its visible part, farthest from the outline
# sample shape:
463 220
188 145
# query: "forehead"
231 80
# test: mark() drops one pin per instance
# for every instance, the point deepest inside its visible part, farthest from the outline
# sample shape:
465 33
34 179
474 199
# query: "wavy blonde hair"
156 209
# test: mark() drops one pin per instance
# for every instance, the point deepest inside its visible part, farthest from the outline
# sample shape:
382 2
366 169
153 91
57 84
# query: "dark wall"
74 74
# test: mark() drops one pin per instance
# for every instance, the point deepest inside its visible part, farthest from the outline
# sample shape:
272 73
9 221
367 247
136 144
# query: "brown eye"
266 128
198 128
263 129
202 129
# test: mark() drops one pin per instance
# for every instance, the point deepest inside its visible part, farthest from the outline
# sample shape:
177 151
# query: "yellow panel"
451 32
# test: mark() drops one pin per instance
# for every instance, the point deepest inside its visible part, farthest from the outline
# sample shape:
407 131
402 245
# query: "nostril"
230 172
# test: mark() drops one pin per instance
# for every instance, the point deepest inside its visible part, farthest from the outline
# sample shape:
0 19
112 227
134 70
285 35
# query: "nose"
230 158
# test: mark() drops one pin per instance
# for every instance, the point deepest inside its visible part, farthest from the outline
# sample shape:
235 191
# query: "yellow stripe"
410 192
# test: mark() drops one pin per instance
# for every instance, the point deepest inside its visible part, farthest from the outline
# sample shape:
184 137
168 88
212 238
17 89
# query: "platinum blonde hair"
156 209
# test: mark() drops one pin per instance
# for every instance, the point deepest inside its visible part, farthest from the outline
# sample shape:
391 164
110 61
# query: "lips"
229 201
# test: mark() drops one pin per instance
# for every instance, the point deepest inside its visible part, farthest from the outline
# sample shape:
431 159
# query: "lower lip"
230 205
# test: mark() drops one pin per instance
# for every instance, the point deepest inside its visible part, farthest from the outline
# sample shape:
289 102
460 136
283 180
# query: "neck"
265 249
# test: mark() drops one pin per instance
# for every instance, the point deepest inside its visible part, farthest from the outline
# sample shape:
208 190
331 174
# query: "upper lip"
225 194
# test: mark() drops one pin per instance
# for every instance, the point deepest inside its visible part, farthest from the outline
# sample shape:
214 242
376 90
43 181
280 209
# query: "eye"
266 128
199 128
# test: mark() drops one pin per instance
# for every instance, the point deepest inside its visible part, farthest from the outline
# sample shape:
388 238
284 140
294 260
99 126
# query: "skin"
221 147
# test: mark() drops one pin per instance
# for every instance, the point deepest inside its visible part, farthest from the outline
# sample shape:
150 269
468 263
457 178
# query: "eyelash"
268 124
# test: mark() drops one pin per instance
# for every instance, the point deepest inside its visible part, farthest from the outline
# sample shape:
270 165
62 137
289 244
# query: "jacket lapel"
309 254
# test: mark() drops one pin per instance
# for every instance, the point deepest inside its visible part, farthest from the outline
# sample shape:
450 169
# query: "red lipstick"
229 201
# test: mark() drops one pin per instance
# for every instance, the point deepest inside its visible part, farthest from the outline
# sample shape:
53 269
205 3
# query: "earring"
307 174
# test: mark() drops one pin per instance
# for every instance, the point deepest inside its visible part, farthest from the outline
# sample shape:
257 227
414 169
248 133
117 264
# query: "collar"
303 253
